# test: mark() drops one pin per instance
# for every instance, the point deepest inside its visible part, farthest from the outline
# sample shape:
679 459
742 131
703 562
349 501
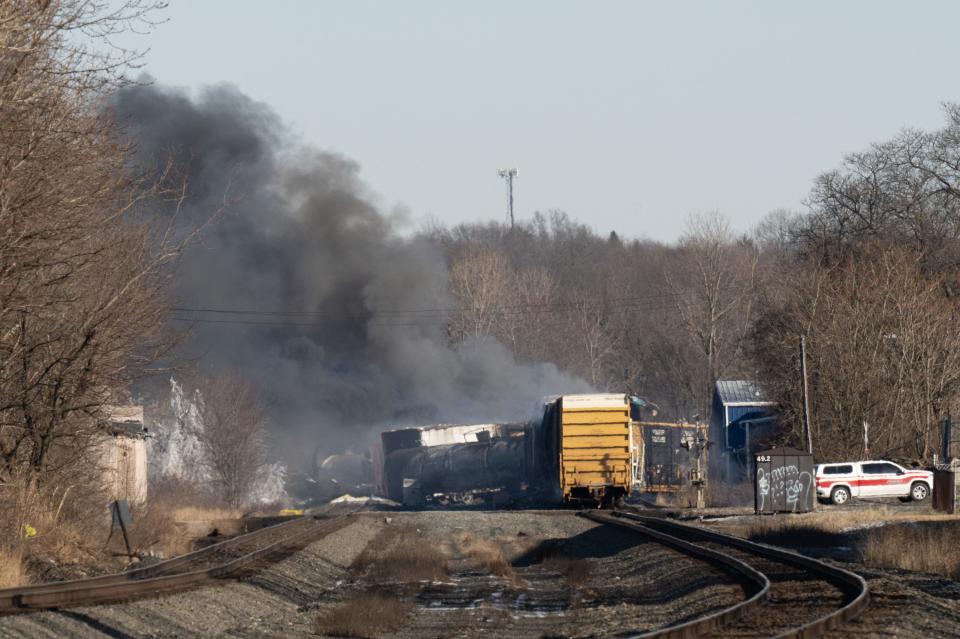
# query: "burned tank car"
455 463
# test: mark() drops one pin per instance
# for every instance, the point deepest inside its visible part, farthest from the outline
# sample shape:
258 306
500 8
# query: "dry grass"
575 571
831 521
204 513
369 615
485 555
928 548
12 570
48 527
402 555
887 537
57 529
155 526
154 530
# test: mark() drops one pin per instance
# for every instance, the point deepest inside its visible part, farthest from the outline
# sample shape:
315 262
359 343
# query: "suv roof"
860 461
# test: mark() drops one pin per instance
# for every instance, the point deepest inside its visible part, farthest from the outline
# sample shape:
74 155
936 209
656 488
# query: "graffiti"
782 472
795 488
763 485
785 487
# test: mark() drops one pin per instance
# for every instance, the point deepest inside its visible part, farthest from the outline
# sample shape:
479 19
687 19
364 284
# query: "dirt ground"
477 574
518 574
903 603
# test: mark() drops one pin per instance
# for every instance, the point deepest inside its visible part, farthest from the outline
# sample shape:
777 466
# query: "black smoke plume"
351 341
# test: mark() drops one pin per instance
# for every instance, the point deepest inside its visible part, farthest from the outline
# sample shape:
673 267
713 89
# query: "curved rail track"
788 595
214 564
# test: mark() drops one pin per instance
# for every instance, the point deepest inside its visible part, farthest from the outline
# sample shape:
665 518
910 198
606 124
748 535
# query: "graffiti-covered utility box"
946 487
783 481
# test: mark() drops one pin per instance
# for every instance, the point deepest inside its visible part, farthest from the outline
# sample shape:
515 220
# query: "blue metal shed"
740 408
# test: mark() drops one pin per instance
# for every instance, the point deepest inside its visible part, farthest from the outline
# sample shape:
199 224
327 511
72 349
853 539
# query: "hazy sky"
627 115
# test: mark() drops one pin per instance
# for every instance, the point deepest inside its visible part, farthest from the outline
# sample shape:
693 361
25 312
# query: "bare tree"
596 342
82 301
527 328
712 289
481 280
499 299
906 189
884 352
233 436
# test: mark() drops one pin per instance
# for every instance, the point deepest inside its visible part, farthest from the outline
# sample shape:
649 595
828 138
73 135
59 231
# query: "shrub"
402 555
368 615
928 548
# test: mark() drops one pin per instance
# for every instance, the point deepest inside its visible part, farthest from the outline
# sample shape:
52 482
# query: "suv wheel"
919 491
840 495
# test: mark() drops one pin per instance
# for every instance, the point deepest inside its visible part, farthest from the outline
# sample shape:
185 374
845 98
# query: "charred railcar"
456 463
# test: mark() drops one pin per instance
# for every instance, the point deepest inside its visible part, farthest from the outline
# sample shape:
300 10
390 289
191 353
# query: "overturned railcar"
456 464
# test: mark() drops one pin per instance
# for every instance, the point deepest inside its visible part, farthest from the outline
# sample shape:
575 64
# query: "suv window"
837 470
880 469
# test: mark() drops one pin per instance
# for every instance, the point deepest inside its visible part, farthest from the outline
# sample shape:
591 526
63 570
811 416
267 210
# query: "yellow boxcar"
593 437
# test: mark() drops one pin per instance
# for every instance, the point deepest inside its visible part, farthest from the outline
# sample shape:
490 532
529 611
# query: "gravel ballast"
476 574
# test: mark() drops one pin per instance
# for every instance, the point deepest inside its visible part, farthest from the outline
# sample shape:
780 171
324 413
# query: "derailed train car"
579 452
466 464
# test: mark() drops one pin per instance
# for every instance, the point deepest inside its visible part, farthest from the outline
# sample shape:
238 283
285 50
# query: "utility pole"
508 175
806 393
947 447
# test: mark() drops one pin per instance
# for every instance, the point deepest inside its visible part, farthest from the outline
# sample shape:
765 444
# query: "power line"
431 311
200 320
439 321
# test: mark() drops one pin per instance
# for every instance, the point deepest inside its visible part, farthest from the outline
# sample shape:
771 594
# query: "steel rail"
754 581
851 584
155 580
154 570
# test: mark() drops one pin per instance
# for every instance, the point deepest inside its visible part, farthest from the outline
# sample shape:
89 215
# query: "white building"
123 459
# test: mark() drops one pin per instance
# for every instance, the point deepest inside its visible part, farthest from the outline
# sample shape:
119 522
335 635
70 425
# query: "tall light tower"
508 175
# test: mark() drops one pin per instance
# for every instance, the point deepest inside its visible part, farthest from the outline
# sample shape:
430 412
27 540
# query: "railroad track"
229 559
788 595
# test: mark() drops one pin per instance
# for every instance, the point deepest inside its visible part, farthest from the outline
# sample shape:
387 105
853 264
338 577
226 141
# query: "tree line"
868 275
85 261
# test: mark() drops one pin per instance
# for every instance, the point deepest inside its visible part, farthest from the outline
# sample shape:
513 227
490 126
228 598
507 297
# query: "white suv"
840 482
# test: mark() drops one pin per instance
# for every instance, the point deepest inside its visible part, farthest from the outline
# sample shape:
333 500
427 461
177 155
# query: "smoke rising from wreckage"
338 355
